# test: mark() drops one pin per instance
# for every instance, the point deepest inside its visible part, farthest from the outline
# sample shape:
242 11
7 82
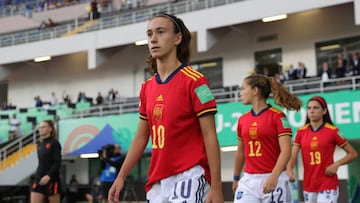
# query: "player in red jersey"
177 112
264 144
317 141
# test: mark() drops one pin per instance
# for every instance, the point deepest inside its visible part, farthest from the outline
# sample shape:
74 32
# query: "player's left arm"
351 154
55 167
207 124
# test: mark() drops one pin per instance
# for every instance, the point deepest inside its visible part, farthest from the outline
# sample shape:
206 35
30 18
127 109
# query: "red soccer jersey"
260 135
172 109
317 150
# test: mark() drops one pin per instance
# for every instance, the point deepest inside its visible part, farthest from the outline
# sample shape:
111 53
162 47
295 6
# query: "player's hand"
114 192
215 196
291 175
331 170
44 180
234 186
270 184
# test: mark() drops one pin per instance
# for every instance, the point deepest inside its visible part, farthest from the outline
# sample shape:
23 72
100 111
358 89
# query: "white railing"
230 94
27 8
113 20
17 145
222 95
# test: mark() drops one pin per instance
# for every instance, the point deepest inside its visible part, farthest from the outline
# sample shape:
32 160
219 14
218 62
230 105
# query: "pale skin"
36 197
315 113
252 96
162 44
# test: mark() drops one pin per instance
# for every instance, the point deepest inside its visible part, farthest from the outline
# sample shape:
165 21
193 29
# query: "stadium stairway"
81 28
18 166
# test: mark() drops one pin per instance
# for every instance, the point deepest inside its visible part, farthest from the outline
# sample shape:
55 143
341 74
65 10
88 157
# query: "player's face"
44 129
315 112
246 93
162 40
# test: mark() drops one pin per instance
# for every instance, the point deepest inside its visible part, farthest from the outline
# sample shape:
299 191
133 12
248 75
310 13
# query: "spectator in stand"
66 98
354 64
53 99
81 97
341 65
292 73
112 94
5 106
301 71
95 195
325 72
38 101
340 68
266 71
14 123
46 24
94 12
99 99
72 193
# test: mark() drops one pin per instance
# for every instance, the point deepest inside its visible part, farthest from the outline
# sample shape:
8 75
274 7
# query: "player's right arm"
238 163
136 149
290 166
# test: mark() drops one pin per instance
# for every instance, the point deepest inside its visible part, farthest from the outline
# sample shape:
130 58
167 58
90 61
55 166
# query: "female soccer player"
317 141
46 184
177 113
264 143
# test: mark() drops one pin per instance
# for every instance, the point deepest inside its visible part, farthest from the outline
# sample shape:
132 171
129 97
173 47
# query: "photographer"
111 161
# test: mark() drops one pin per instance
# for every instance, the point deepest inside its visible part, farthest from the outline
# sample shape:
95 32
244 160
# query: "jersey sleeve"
340 140
142 103
297 140
282 126
239 133
202 97
56 152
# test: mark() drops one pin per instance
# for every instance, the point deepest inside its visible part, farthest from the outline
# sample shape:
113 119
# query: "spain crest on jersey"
158 111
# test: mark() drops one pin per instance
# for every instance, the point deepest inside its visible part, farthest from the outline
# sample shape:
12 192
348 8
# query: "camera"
106 151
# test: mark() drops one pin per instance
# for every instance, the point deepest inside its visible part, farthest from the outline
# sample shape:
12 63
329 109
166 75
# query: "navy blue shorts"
52 188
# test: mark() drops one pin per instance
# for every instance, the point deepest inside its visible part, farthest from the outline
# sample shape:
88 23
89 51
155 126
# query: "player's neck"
315 125
166 67
259 105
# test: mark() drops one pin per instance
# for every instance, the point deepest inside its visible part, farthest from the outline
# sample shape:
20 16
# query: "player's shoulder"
330 126
149 80
191 73
276 111
304 127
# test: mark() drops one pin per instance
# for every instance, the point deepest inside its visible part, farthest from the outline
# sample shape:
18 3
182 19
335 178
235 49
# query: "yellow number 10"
158 137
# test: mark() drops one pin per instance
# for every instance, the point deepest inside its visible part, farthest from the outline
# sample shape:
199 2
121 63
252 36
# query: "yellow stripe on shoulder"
276 110
193 74
304 127
149 79
328 125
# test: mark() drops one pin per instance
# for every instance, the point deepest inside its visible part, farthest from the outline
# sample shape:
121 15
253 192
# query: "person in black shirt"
46 184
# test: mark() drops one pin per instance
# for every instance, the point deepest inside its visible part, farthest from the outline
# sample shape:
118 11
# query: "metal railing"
16 146
114 20
30 7
229 94
222 95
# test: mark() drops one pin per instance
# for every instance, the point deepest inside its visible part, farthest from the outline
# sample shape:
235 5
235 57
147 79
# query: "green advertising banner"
77 135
